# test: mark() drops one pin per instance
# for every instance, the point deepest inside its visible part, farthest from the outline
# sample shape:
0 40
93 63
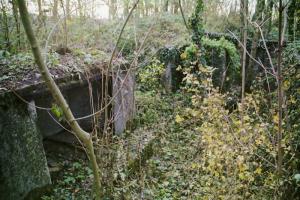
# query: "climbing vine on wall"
196 23
227 50
227 46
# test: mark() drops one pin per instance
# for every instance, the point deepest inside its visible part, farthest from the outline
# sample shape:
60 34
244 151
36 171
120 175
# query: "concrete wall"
124 102
219 60
78 95
23 164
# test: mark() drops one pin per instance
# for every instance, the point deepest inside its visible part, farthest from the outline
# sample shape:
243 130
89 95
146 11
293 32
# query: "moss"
22 157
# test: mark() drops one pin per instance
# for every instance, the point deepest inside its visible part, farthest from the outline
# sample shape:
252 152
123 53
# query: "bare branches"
244 33
127 74
110 63
266 48
121 33
255 60
279 90
183 17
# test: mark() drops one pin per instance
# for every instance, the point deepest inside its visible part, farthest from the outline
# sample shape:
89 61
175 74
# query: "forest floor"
167 172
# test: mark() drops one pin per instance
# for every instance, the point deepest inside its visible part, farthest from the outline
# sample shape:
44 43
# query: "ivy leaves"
196 23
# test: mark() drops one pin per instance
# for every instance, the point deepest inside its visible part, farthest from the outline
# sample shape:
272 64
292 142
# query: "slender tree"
55 9
125 8
67 8
244 27
65 45
80 9
294 20
112 9
257 18
166 5
279 90
17 22
39 2
175 7
156 6
269 15
82 135
183 16
5 25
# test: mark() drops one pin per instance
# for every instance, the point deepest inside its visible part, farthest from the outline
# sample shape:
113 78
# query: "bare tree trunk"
183 16
254 47
83 136
141 8
296 19
156 6
80 8
112 9
54 10
41 16
166 5
269 16
146 7
6 28
244 15
40 8
16 17
126 8
285 23
280 96
293 20
176 7
65 45
67 9
93 9
257 18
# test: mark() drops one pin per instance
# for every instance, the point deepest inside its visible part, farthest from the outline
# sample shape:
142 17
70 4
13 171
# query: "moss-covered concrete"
23 165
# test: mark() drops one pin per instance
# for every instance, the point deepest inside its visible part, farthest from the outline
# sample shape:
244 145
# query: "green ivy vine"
222 45
196 23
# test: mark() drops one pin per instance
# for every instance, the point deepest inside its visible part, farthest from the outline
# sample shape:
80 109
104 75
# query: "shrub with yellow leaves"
237 160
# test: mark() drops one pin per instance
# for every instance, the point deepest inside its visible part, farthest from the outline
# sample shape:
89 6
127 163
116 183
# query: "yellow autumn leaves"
179 119
228 159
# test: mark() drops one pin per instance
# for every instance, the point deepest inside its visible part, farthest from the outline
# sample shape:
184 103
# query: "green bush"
149 77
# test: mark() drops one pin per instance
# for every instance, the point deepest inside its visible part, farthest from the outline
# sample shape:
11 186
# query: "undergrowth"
191 145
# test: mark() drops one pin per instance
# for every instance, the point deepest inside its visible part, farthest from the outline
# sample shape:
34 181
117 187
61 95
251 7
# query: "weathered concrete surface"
167 77
220 60
79 99
78 93
171 78
124 105
23 165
